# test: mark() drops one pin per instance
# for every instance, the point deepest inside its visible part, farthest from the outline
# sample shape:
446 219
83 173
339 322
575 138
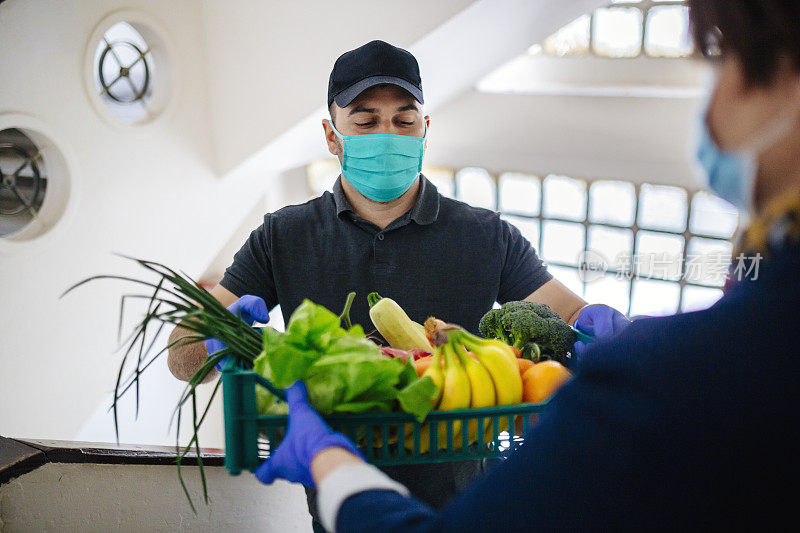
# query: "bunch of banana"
469 372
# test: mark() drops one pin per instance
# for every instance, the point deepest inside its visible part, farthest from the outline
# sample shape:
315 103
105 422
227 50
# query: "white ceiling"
269 61
588 117
638 139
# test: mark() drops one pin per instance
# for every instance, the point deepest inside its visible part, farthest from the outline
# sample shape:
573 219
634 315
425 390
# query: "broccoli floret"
491 328
543 310
533 328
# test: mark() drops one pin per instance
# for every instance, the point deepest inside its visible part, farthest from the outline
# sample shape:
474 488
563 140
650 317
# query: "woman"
678 422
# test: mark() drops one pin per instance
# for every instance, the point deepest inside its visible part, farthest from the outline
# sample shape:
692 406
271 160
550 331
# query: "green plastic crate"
249 437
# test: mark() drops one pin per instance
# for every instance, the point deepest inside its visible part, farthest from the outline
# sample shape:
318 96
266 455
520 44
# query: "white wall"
146 191
102 498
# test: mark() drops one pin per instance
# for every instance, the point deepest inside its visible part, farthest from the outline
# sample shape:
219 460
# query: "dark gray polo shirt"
443 258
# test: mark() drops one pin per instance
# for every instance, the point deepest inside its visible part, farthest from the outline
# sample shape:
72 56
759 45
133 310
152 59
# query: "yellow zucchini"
393 323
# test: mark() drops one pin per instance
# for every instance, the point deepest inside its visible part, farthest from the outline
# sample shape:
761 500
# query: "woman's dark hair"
759 32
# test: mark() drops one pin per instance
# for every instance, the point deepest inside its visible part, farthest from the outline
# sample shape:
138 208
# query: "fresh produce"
343 370
524 364
436 373
533 328
482 392
395 326
480 381
456 393
422 364
437 367
476 373
542 380
404 355
496 356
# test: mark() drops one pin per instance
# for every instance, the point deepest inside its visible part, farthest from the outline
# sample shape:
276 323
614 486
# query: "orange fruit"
422 364
524 364
543 379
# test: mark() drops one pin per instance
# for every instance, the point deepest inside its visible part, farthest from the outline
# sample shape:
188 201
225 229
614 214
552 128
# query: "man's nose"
387 126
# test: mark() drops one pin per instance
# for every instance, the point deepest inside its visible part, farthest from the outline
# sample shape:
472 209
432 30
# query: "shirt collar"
424 211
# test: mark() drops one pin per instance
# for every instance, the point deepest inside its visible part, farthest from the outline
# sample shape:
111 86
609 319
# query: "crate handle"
233 364
267 384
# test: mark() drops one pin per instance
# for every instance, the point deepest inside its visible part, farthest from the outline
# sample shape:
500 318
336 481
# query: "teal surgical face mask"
381 166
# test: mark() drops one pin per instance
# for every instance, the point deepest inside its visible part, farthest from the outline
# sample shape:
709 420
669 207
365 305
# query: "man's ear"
427 120
331 139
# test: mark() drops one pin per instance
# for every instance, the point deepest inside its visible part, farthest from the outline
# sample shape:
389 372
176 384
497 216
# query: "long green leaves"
176 299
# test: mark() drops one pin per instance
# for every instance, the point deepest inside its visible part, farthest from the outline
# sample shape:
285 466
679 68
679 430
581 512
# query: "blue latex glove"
600 321
250 309
308 435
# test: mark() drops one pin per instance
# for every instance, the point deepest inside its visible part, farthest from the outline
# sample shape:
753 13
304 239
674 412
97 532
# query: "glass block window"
662 249
663 208
625 29
712 216
520 193
442 178
476 187
617 31
564 198
321 175
571 40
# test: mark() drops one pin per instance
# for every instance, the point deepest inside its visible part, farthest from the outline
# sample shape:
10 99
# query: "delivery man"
678 423
386 228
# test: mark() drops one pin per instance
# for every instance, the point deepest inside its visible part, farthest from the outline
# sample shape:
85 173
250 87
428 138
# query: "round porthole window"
125 73
23 181
35 182
128 71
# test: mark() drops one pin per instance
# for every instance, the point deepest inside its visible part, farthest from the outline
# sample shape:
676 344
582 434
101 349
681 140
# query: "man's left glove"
600 321
308 435
249 308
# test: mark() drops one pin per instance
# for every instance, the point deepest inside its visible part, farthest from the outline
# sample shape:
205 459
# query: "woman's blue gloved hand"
308 435
250 309
600 321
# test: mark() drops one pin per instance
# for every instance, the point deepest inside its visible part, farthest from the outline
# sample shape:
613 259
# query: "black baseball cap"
374 63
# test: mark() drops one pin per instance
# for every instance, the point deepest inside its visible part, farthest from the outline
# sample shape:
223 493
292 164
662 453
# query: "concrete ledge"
19 456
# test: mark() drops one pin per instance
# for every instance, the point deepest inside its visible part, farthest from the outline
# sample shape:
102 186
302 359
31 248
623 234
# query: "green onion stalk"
177 299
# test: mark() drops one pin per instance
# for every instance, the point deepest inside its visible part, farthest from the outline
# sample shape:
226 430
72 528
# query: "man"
385 228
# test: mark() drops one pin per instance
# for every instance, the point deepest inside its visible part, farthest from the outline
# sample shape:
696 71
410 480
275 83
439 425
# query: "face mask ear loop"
333 127
341 138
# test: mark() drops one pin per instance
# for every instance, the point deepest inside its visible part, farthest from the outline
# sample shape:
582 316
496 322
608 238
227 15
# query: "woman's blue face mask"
381 166
730 175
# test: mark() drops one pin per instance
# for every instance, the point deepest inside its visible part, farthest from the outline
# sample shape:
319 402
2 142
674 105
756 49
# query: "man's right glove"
250 309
